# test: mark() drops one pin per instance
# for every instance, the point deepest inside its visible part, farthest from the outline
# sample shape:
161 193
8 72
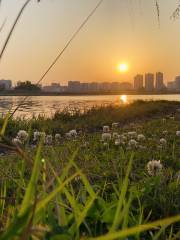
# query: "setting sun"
123 67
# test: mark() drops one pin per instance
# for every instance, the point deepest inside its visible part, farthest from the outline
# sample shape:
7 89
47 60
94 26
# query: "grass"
80 188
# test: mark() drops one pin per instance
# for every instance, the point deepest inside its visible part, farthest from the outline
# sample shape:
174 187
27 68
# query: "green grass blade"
138 229
42 203
30 191
117 218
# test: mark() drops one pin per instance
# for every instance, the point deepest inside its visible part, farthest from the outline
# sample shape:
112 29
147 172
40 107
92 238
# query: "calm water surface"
48 105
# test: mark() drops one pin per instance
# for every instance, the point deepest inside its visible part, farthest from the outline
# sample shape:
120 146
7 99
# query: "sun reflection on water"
123 99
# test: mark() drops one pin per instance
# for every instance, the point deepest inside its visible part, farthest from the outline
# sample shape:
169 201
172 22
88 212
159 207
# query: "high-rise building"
74 86
149 82
159 81
177 83
6 84
138 82
171 86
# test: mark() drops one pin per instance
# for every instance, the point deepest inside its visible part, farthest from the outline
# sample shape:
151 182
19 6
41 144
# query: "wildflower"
39 135
49 139
22 135
154 168
106 129
117 142
141 137
132 134
85 145
178 133
132 143
115 125
105 144
16 141
163 120
106 137
123 137
115 135
57 137
163 141
142 148
165 132
73 133
172 118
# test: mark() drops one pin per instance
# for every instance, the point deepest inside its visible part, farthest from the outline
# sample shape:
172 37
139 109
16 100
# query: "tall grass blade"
31 188
117 218
138 229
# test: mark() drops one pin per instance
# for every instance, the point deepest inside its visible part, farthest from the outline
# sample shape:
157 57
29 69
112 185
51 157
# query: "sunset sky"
120 31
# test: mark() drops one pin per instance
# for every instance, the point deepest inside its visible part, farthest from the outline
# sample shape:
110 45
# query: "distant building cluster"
5 84
174 85
149 82
78 87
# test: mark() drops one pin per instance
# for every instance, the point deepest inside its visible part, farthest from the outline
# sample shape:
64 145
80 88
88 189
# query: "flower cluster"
154 168
21 137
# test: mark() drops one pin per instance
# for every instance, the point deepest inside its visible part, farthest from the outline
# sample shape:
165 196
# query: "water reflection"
48 105
123 99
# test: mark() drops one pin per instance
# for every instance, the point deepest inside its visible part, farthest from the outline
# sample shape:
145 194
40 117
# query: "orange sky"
121 30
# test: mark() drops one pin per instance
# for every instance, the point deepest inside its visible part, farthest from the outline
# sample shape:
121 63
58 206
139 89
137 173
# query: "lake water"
48 105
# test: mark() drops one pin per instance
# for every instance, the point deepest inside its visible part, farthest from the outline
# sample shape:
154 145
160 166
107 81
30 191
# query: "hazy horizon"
120 30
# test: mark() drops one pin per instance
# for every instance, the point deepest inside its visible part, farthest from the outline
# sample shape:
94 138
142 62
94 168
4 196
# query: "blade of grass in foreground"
30 191
42 203
138 229
5 123
118 216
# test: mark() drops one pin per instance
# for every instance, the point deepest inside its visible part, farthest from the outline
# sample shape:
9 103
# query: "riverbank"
108 165
93 119
124 92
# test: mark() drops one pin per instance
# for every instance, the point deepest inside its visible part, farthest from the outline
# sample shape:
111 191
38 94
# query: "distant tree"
27 86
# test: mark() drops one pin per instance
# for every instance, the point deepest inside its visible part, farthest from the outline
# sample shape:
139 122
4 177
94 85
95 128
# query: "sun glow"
123 98
123 67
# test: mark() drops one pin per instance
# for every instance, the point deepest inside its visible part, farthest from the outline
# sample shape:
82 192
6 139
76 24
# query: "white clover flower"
49 139
165 132
141 137
57 137
68 135
115 125
132 134
22 135
142 148
154 168
123 137
163 141
178 133
39 136
85 145
106 129
73 133
106 137
133 143
117 142
115 135
163 120
172 118
17 141
105 144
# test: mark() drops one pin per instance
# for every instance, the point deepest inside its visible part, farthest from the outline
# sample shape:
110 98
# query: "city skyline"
128 33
